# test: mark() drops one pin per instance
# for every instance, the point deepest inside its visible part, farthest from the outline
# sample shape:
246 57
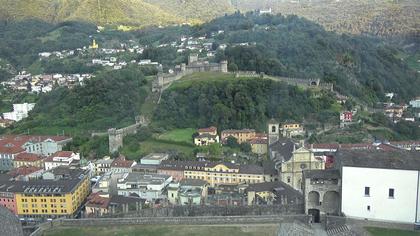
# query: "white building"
146 186
61 158
154 158
415 103
20 111
383 186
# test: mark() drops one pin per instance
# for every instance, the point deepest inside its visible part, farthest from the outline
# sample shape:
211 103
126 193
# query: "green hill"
131 12
127 12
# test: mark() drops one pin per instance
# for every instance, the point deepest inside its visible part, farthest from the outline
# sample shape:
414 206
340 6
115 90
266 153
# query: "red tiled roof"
12 144
23 170
121 162
208 130
95 200
24 156
63 154
230 131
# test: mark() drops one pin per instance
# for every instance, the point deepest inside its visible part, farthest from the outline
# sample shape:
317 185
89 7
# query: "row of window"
44 211
391 192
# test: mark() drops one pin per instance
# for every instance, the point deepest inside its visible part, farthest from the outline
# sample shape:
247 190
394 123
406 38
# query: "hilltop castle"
195 64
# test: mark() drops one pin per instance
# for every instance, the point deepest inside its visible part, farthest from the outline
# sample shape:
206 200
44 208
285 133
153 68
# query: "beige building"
243 135
291 129
301 159
259 146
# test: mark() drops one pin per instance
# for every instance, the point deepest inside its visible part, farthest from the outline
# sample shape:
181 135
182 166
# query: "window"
368 208
273 129
391 193
288 179
367 191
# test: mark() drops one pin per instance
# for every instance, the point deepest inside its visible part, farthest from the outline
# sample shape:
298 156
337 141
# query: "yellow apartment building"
51 198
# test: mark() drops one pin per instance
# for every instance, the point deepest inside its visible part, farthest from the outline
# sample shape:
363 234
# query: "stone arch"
313 198
331 202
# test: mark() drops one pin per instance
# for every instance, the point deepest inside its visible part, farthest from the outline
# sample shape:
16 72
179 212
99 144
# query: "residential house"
7 195
121 165
12 145
61 158
28 159
243 135
103 165
291 129
206 136
26 173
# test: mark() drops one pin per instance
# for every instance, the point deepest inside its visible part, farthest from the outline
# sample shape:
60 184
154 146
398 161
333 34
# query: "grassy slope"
390 232
152 230
178 135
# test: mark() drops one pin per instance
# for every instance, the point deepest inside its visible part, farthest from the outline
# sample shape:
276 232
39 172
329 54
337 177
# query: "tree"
232 142
245 147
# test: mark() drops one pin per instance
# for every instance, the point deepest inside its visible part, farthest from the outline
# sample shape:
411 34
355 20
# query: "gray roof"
277 186
322 174
284 148
406 160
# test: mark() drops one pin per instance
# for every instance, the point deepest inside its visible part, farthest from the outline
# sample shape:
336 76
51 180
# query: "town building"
28 159
52 198
379 185
121 165
321 190
259 146
12 145
242 136
103 165
346 116
150 187
188 192
61 158
154 158
206 136
215 173
97 205
415 103
270 193
20 111
7 195
291 129
4 123
26 173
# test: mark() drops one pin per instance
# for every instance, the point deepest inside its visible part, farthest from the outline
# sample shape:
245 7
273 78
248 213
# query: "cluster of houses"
258 141
44 83
401 112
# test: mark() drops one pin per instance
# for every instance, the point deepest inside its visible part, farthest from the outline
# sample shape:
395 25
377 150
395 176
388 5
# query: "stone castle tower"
273 131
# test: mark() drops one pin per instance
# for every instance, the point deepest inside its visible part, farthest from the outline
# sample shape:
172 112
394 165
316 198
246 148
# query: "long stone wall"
202 220
183 211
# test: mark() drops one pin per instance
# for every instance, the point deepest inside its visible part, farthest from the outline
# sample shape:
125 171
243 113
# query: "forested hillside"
111 99
241 103
361 66
375 17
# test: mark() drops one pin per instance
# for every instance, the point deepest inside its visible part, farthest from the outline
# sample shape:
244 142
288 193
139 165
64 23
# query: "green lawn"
178 230
154 145
374 231
179 135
